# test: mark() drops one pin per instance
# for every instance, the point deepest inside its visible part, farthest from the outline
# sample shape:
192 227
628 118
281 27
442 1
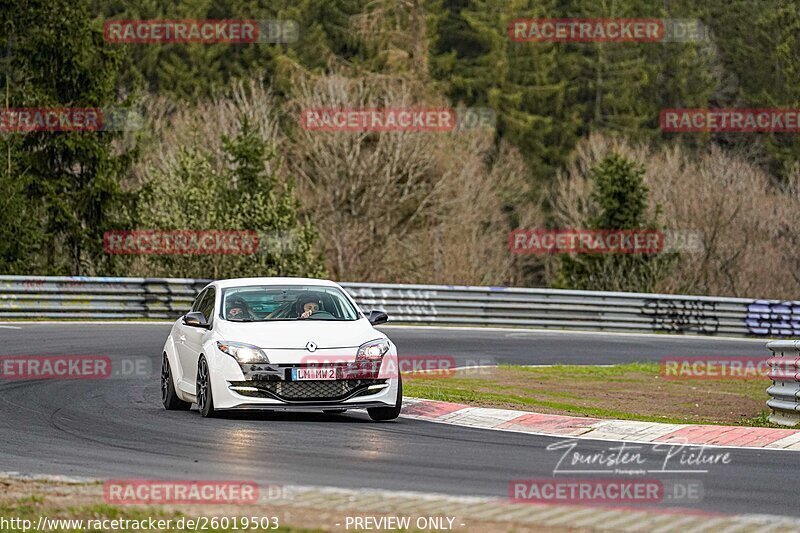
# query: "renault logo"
311 346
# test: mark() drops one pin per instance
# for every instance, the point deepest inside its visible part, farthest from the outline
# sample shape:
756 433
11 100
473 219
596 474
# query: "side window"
196 304
207 305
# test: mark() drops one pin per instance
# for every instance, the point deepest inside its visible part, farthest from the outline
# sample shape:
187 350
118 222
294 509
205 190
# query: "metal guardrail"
82 297
785 390
163 298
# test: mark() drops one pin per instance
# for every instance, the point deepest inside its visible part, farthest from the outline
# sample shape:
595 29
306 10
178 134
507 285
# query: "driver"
306 306
238 310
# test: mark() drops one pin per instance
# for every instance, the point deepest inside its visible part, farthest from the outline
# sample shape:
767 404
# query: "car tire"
380 414
205 399
168 395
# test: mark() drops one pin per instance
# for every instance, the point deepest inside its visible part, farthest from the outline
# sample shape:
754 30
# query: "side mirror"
378 317
196 319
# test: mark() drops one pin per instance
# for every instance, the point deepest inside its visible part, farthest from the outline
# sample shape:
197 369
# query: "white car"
280 344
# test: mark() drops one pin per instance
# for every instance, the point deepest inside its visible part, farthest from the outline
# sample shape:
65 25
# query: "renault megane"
280 344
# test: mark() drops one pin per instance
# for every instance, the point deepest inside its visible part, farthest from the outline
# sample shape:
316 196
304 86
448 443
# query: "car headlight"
372 350
244 353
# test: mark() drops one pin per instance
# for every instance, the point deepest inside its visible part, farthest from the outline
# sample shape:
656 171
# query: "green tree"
197 71
66 181
198 192
619 196
467 50
524 83
608 80
764 60
20 229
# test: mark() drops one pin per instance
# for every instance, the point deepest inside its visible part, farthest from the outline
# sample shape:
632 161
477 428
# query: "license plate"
323 373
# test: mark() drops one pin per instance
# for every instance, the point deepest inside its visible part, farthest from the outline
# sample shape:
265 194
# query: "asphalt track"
116 428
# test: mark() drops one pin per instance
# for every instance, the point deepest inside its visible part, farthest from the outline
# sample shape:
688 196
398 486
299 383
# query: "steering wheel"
245 315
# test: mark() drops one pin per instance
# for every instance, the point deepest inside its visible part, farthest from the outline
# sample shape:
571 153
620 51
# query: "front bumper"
271 387
308 391
299 407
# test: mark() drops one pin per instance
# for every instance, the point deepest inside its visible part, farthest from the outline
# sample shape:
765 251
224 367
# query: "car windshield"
291 302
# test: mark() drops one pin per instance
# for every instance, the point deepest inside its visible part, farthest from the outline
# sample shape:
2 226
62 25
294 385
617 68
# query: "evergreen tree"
196 71
468 50
620 198
68 181
522 82
766 65
609 80
539 116
21 235
199 193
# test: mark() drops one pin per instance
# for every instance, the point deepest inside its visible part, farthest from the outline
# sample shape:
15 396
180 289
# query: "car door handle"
183 338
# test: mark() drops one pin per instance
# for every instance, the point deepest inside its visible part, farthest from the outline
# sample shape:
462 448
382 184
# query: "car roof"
251 282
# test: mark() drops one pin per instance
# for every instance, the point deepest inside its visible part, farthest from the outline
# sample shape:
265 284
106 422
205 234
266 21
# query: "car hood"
295 334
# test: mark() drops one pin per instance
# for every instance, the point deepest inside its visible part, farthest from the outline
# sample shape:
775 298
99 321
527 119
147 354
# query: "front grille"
307 390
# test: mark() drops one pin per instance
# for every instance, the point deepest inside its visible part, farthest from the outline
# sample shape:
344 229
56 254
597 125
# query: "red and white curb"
595 428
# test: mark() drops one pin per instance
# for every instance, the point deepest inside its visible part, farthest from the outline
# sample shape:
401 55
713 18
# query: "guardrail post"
151 288
785 390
